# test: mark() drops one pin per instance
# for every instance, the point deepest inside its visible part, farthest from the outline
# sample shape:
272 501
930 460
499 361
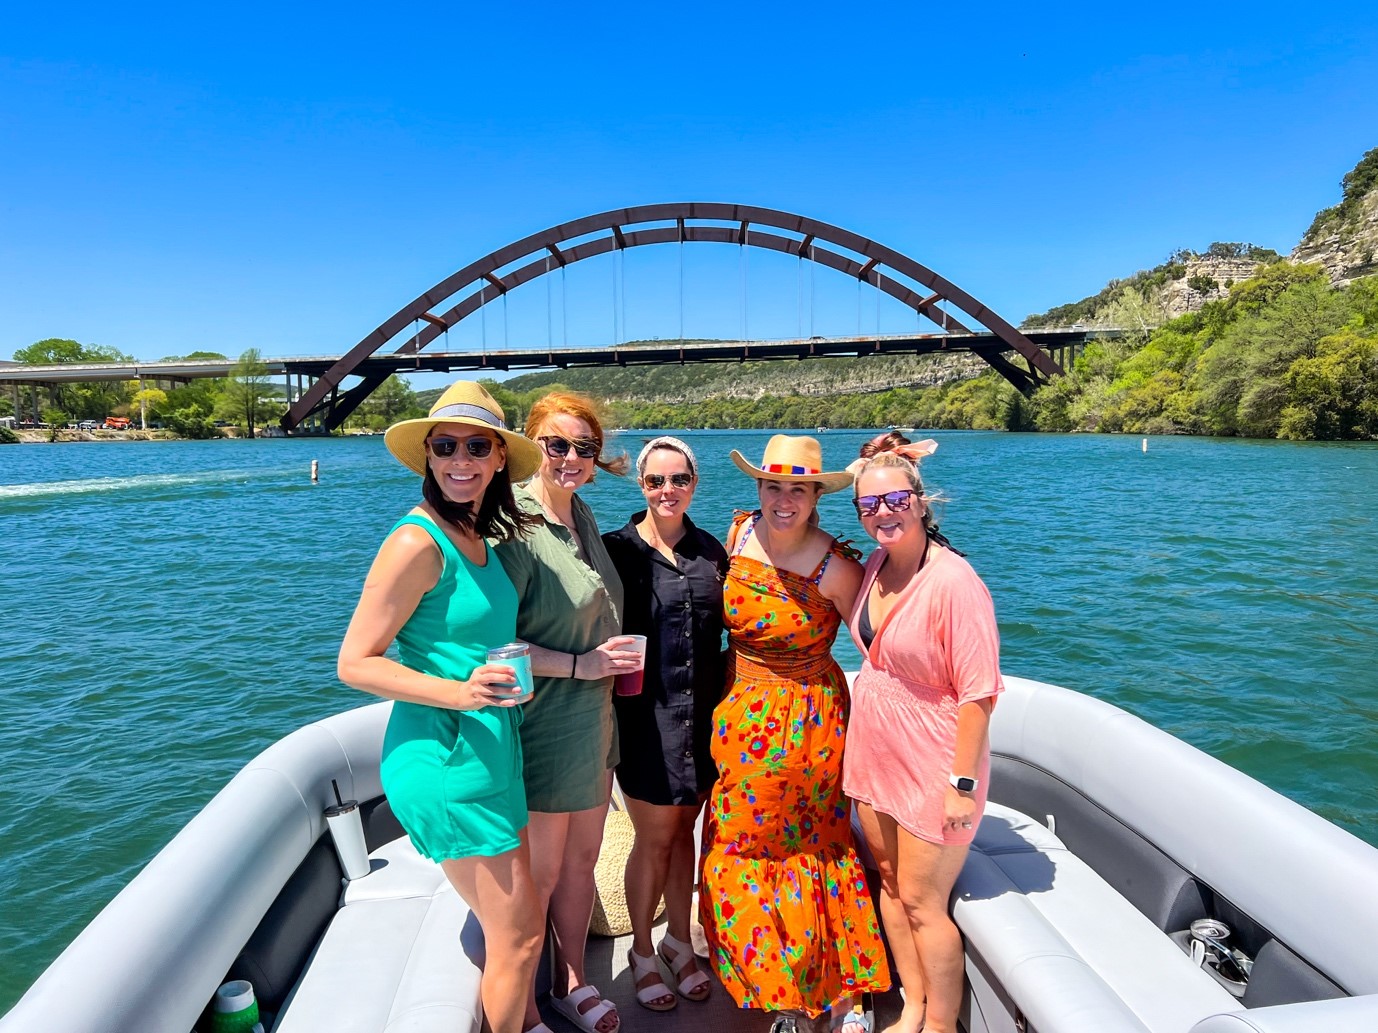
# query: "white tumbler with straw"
347 830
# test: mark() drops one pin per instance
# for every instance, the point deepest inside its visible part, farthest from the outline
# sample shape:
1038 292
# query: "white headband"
665 441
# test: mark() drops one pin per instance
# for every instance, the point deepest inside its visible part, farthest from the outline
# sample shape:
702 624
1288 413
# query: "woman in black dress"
672 573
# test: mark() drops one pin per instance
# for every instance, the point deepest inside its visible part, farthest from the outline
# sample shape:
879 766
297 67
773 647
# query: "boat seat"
402 955
1070 951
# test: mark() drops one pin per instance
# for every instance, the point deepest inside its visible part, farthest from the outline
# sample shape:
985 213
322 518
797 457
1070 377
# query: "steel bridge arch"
810 239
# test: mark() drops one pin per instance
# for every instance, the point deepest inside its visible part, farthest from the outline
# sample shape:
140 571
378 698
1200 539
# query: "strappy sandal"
697 985
657 996
853 1017
568 1006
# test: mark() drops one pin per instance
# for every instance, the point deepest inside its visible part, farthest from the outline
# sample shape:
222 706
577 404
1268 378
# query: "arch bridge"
491 277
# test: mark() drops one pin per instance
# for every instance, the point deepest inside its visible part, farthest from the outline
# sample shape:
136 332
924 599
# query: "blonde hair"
581 407
890 461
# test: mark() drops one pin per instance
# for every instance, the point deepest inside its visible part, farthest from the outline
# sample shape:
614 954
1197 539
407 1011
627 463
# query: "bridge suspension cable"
744 225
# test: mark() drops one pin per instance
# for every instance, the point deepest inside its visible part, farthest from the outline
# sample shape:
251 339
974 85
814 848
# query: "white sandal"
697 985
568 1006
657 996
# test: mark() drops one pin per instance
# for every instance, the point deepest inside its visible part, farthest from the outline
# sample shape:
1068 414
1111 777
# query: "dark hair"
882 445
498 515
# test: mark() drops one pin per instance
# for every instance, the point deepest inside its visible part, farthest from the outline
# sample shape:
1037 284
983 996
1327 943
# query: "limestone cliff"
1344 239
1205 278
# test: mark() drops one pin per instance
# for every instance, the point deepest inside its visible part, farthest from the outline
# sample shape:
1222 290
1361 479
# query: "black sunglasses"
895 502
442 447
558 448
656 481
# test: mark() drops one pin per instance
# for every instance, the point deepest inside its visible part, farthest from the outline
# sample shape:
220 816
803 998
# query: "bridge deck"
640 353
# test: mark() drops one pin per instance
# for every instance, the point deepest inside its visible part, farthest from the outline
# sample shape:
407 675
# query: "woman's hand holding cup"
490 685
618 655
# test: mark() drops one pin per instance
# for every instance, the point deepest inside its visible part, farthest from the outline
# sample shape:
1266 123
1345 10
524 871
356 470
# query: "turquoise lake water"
172 608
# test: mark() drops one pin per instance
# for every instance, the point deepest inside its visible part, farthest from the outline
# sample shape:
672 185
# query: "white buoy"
313 464
316 466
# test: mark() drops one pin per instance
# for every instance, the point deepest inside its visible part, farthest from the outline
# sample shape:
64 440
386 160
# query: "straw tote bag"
610 914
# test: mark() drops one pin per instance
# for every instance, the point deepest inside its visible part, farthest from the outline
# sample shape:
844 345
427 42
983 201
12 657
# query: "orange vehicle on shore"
117 423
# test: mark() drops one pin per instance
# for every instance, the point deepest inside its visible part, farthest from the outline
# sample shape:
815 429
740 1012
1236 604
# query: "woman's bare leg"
926 875
881 834
502 896
571 904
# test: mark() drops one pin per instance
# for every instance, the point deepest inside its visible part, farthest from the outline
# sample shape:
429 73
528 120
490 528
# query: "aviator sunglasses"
558 447
442 447
656 481
895 502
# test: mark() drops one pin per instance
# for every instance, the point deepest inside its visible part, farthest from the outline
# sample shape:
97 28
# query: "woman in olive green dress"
452 763
571 615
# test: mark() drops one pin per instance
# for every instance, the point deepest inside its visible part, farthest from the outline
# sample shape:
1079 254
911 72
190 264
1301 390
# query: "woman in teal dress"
452 760
571 615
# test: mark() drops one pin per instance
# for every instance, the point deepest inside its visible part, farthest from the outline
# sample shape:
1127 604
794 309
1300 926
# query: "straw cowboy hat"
467 403
793 459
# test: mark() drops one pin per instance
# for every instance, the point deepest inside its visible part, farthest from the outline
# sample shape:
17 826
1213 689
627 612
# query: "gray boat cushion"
275 954
1298 871
186 916
1068 948
402 953
1147 877
1280 977
1347 1015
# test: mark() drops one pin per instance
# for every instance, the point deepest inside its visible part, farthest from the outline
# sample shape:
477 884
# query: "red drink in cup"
629 684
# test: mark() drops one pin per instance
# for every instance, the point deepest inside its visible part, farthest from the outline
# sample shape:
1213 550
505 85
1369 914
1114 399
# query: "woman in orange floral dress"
783 897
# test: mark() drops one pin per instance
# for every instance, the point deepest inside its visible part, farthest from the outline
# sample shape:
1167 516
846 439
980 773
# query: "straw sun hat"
793 459
467 403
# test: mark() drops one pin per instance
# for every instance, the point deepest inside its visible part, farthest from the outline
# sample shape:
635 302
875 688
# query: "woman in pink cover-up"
918 757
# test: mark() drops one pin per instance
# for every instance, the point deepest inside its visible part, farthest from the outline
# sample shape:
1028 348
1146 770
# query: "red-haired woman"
570 612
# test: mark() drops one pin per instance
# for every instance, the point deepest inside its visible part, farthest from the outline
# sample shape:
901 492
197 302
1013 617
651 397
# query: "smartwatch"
963 784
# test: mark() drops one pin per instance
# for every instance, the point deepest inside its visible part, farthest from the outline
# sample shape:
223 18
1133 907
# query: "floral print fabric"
783 898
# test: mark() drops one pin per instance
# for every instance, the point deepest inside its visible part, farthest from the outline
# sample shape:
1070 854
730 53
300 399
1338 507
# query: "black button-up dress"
664 732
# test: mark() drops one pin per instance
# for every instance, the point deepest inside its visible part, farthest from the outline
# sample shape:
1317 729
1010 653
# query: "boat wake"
92 485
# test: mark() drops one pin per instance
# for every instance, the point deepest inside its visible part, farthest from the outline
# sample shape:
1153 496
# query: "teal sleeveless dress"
454 777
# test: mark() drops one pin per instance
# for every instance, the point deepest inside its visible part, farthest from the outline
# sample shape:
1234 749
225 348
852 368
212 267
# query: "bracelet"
573 663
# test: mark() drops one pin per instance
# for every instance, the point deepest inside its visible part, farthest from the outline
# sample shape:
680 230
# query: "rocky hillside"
1151 297
1344 239
679 385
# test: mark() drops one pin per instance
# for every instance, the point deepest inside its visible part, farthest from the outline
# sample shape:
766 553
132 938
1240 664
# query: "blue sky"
179 178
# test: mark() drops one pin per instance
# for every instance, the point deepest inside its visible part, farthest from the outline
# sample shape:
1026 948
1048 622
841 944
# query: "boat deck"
606 968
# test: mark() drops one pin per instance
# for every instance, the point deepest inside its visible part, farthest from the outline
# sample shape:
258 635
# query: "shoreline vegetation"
1233 342
1283 354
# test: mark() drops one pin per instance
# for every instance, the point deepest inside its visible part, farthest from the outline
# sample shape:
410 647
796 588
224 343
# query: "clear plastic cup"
629 683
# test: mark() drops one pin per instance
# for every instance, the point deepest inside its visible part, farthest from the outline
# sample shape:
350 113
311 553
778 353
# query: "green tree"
1333 395
147 400
1240 376
192 421
393 400
56 419
246 398
1202 284
84 401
